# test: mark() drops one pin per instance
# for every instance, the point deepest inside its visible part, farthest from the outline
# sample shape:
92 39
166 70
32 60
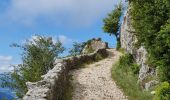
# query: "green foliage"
118 45
98 57
163 91
68 93
122 50
77 49
151 20
111 23
152 26
126 60
135 68
38 58
88 47
124 72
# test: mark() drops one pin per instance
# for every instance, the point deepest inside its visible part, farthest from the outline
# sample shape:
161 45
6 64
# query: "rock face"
52 85
128 40
94 44
151 84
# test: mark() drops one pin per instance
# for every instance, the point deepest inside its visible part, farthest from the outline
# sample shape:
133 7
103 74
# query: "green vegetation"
125 73
163 92
88 47
37 59
68 89
111 23
77 49
151 20
98 57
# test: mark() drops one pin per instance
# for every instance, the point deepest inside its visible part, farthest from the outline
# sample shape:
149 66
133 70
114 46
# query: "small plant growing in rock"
163 92
98 57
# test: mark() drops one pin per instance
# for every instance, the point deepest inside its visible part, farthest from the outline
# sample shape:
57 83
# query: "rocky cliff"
128 40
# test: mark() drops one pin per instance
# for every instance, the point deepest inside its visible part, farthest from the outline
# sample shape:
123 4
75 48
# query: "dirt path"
95 83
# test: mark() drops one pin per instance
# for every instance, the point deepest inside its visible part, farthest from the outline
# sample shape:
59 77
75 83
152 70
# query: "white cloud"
5 62
60 12
5 58
64 39
6 68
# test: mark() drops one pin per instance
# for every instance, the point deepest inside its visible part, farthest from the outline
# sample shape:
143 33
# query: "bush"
163 91
151 21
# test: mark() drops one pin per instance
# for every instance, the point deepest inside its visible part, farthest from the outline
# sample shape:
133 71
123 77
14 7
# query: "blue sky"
68 20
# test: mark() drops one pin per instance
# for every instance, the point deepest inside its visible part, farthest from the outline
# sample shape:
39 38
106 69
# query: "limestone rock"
94 44
150 84
128 40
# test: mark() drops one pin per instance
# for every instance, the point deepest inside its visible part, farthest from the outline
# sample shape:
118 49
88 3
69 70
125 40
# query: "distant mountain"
5 95
6 92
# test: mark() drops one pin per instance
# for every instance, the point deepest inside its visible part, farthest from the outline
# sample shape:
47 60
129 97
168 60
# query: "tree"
77 48
38 58
111 22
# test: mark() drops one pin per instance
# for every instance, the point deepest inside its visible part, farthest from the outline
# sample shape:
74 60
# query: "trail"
94 82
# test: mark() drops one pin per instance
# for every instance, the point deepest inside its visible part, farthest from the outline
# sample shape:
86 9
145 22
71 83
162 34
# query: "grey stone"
128 40
52 85
150 84
96 44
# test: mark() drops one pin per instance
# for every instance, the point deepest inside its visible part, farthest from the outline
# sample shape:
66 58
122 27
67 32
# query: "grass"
122 50
126 79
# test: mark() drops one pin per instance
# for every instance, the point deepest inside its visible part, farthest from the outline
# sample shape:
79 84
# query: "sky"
67 20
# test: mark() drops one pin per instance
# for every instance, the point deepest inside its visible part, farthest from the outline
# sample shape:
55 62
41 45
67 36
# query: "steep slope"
94 82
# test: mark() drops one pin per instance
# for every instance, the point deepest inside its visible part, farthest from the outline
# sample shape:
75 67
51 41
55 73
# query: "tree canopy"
111 22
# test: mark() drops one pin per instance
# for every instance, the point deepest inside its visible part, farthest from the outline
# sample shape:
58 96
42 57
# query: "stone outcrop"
94 44
128 40
52 85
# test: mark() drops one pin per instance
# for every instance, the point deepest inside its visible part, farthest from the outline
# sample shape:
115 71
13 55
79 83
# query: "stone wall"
52 85
128 40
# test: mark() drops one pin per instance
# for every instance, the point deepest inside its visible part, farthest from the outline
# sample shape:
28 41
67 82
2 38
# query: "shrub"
151 21
163 91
